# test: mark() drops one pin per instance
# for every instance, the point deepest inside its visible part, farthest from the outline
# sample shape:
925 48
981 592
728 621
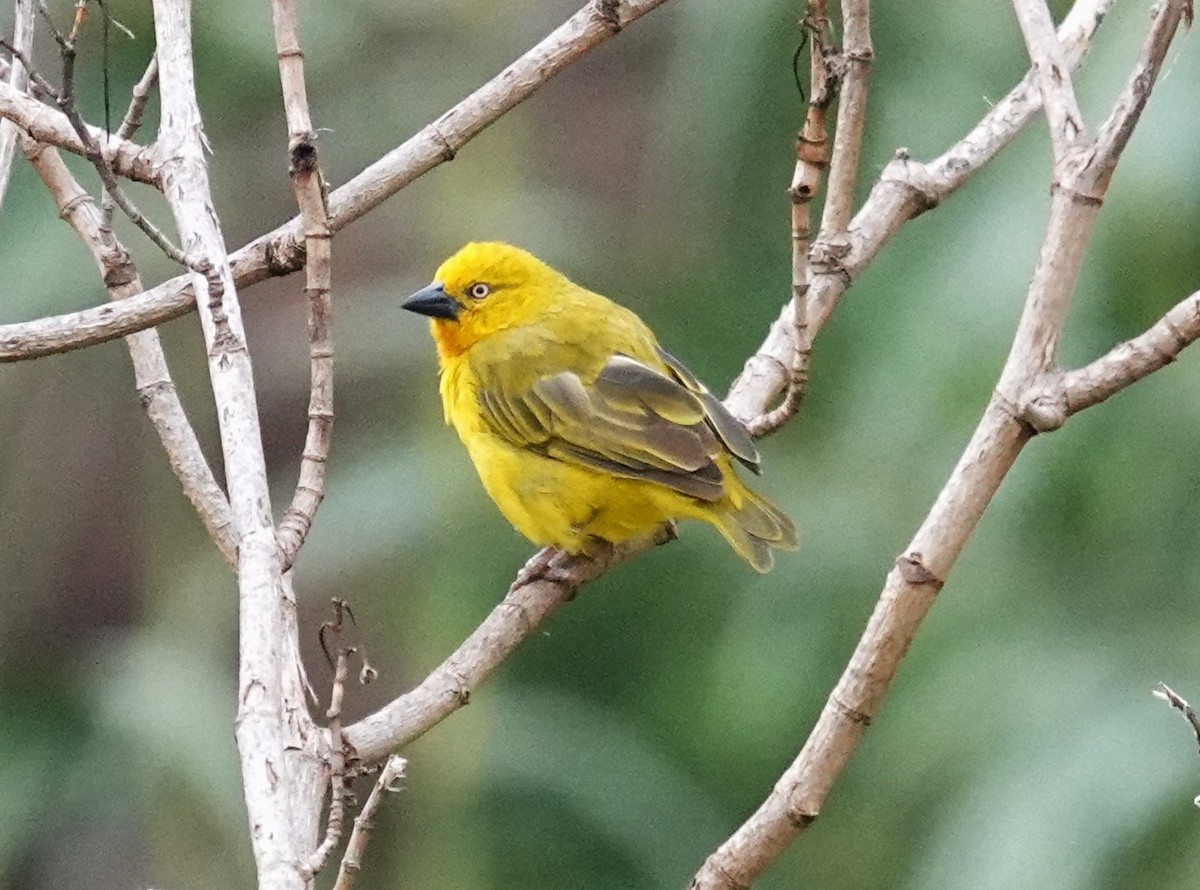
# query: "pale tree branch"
17 78
526 606
1052 74
906 189
1129 362
152 377
309 186
337 761
278 774
133 120
1165 693
855 61
392 773
280 251
45 124
921 571
811 163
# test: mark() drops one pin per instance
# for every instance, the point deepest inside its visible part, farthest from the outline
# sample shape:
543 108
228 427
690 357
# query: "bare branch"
152 377
309 187
811 163
1176 701
855 59
920 572
45 124
393 772
133 120
1052 74
268 709
280 252
906 189
337 764
17 77
1130 361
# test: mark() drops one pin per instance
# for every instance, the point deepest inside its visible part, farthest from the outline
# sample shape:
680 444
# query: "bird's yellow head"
484 288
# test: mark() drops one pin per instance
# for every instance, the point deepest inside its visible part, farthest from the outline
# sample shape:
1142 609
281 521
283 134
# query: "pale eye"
479 291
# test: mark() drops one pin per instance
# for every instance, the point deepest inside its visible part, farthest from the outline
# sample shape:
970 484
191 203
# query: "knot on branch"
302 154
913 571
1074 195
913 177
1044 409
827 256
609 13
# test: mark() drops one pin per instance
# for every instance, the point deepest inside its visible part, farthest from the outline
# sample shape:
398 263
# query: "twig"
906 189
309 186
151 374
337 764
17 78
1176 701
921 571
45 124
65 99
811 163
855 60
393 772
1132 360
132 120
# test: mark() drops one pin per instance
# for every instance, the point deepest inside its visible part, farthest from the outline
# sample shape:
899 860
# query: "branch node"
609 13
854 715
913 570
1045 408
1076 196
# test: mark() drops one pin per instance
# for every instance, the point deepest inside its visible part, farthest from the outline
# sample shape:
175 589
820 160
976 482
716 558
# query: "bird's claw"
542 566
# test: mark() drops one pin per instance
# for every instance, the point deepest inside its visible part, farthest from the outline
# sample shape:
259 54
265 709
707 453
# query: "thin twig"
1176 701
138 101
337 764
45 124
812 162
393 772
17 78
309 186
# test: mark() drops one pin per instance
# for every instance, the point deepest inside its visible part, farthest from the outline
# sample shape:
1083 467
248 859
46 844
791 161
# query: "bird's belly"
551 502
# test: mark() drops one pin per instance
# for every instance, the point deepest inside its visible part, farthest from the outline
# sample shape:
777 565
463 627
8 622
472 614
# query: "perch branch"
309 186
439 695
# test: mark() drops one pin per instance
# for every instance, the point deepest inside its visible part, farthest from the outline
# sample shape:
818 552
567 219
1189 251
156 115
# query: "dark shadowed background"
1020 746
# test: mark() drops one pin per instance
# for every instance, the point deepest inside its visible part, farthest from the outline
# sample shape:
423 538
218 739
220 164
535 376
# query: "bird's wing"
631 420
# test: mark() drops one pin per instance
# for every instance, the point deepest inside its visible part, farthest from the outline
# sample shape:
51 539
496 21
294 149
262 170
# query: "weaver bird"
583 429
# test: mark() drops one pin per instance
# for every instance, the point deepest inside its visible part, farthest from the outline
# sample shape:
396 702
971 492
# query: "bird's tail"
753 526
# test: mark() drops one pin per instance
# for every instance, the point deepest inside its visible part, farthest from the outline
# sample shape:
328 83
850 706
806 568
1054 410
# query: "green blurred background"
1020 746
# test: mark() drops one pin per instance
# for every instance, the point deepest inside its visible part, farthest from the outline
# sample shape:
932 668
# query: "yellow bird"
582 428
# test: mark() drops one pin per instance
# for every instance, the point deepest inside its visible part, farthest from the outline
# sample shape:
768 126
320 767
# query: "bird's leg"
542 567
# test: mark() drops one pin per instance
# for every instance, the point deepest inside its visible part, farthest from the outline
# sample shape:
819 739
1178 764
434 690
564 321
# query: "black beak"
432 301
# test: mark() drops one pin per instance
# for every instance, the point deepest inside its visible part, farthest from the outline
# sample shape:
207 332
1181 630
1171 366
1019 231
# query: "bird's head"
484 288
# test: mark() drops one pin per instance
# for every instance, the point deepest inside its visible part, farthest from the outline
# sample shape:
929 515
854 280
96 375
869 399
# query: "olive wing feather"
632 421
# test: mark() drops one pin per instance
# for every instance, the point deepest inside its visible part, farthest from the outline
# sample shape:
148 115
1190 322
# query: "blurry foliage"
1020 746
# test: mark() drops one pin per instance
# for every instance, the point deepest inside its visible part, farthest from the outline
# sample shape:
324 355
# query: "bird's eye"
479 291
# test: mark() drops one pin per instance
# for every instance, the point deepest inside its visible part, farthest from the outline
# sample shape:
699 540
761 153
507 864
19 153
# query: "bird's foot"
545 565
